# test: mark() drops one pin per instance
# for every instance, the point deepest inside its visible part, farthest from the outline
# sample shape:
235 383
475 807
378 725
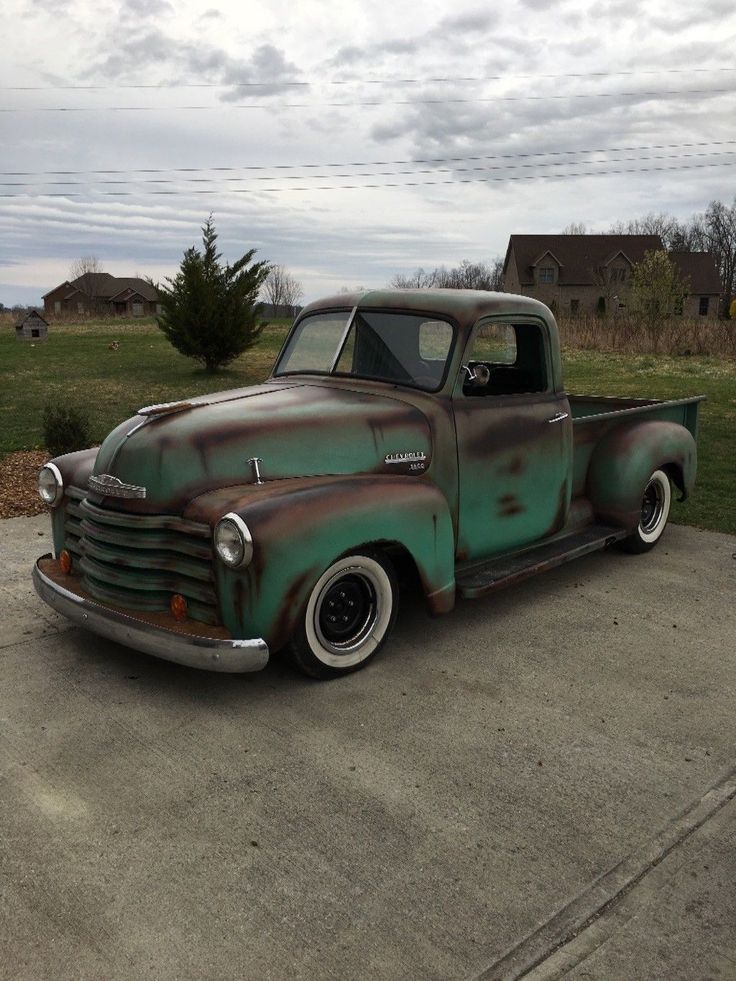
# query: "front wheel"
348 616
655 510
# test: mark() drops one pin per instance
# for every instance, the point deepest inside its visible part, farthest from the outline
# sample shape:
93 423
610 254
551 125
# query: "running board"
505 570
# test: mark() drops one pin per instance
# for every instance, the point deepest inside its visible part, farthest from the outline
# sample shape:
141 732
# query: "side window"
506 359
435 337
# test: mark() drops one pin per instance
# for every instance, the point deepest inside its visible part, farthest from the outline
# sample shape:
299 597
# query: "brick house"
591 273
103 294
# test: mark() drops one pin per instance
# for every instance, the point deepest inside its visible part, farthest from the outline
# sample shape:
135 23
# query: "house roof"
136 285
31 318
103 286
579 256
700 271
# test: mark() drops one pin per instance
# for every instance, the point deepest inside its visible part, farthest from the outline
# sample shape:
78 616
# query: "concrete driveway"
543 781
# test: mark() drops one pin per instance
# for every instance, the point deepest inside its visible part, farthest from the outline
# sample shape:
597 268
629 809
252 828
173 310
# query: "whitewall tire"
655 510
348 616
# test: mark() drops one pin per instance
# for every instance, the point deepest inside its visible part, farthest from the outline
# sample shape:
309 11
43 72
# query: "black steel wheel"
348 616
655 510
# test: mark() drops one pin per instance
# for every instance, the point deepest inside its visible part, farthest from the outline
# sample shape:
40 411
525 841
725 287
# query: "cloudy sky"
350 140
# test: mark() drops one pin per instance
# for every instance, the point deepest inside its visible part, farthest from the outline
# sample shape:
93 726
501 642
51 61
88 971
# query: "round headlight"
50 484
233 543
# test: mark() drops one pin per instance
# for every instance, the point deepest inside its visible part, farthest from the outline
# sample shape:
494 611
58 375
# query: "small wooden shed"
32 328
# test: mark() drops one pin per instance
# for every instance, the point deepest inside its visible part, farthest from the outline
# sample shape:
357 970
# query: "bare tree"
676 236
715 232
419 279
282 289
575 228
467 276
82 272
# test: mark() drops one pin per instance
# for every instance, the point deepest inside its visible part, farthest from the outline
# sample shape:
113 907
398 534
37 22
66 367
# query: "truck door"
514 438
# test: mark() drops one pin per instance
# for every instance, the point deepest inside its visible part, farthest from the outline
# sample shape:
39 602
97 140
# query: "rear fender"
625 459
299 527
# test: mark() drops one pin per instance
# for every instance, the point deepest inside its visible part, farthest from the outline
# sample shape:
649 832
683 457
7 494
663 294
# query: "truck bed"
596 415
591 409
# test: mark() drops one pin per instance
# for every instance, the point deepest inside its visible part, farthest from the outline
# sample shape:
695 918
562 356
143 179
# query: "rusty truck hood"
296 429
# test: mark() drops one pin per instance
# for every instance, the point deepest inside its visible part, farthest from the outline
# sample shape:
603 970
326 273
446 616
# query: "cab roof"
463 306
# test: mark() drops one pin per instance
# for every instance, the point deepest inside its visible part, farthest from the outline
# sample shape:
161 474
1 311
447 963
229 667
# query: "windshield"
403 348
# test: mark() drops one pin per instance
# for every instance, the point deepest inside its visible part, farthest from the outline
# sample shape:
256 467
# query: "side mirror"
476 375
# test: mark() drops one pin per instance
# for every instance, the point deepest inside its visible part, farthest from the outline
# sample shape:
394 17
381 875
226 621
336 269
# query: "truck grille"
138 561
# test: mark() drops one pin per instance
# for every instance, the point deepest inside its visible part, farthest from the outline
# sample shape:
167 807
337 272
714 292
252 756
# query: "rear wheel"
348 616
655 510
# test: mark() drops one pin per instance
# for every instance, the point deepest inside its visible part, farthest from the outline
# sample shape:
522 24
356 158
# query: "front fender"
300 526
625 459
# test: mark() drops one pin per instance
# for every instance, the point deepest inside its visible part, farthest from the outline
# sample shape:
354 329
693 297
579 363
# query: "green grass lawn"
76 366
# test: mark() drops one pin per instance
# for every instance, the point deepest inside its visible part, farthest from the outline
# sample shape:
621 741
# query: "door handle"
559 417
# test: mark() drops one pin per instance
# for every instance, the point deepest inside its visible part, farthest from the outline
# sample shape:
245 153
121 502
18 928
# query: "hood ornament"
109 486
255 462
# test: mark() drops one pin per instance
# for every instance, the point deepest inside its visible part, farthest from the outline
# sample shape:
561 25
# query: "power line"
298 83
388 173
366 104
353 187
368 163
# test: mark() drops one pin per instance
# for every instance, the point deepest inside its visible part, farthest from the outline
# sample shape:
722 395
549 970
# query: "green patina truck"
420 431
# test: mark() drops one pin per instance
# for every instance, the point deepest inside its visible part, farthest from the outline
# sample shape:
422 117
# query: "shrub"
65 429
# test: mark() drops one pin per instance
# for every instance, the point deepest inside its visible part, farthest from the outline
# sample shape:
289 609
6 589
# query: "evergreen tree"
210 309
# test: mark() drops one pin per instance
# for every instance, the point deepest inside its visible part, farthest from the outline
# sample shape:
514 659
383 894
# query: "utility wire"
386 173
353 187
366 104
368 163
296 83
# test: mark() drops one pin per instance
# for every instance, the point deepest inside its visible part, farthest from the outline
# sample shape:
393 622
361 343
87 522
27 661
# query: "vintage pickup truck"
421 430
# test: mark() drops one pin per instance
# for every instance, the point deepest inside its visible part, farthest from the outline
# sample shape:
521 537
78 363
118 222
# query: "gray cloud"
145 8
473 23
459 33
163 56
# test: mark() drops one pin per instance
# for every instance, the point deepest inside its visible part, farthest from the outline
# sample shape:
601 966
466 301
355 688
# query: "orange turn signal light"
65 562
178 607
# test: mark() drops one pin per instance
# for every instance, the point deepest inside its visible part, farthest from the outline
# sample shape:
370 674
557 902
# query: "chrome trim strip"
208 653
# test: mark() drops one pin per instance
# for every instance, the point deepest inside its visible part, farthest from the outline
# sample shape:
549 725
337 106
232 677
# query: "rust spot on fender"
509 505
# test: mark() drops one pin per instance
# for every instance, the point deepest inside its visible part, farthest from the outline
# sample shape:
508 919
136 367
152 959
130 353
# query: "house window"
703 306
574 306
80 306
546 274
618 275
159 308
57 306
137 309
35 332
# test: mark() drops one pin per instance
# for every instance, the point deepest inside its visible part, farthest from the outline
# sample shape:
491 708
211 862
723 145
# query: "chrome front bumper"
195 651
